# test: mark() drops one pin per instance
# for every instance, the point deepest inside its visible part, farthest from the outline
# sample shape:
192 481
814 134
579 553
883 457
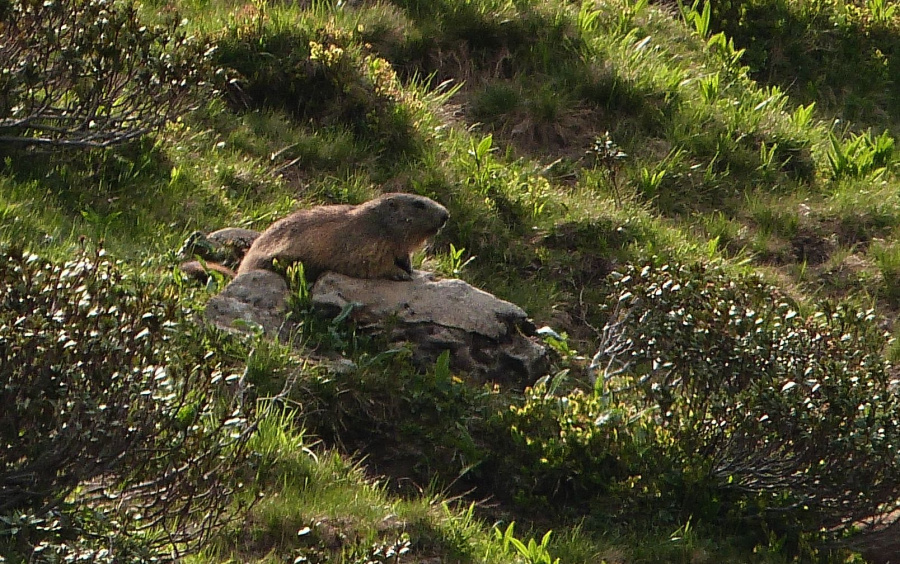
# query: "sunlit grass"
504 102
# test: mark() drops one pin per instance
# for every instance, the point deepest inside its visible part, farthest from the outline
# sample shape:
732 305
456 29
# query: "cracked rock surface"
488 339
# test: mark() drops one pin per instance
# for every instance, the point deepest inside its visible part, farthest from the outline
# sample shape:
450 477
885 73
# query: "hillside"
704 199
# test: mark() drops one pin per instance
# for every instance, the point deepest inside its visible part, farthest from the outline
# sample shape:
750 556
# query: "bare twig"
607 361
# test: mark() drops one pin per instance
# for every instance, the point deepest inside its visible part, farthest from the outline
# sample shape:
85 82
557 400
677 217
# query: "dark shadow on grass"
845 65
106 188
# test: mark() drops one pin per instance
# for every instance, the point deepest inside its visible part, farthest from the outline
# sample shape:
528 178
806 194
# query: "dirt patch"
844 277
811 247
566 135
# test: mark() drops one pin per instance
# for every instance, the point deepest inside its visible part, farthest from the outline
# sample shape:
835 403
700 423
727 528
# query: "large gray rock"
489 338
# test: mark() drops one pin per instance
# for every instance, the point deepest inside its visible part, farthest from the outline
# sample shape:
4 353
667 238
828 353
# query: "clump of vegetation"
92 74
720 403
757 395
120 440
323 74
572 449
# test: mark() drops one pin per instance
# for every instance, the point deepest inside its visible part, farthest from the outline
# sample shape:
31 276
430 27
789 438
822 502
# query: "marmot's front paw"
400 274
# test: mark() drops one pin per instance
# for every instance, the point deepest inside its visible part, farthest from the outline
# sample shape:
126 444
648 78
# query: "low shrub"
119 437
727 406
790 417
570 447
91 73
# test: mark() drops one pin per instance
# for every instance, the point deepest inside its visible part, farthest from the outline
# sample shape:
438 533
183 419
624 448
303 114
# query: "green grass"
316 504
492 108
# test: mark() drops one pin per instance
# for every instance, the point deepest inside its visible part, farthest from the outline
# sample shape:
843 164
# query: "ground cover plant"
119 440
698 199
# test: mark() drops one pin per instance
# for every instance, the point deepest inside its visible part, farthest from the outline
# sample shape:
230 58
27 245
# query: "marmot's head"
408 216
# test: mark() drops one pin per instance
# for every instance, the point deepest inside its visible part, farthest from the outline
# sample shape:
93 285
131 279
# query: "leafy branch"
90 73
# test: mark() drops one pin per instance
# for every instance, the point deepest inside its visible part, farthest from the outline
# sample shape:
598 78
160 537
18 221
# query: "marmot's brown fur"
371 240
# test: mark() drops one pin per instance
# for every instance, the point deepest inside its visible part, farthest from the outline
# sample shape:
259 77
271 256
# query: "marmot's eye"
420 205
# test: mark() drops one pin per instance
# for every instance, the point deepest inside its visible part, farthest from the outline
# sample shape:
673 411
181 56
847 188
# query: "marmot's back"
371 240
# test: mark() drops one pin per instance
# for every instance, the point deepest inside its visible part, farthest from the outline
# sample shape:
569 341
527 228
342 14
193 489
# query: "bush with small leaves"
90 73
569 447
724 405
119 434
790 417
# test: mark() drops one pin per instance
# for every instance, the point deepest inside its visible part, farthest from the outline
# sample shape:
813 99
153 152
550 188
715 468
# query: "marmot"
370 240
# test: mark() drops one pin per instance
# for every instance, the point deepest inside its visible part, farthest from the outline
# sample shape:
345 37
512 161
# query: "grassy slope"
718 166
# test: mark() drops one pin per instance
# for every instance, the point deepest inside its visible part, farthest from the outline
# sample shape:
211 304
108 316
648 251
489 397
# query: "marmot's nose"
444 217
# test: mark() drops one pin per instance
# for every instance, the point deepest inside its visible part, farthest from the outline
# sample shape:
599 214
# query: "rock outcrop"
488 339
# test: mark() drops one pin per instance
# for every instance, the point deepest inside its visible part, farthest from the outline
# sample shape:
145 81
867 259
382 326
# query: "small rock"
234 237
256 299
226 246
